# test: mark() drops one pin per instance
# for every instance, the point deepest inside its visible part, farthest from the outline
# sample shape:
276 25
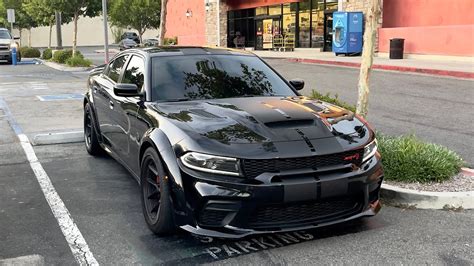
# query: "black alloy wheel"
90 134
156 200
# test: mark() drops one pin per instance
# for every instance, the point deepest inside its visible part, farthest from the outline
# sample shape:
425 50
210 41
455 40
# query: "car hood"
260 120
5 41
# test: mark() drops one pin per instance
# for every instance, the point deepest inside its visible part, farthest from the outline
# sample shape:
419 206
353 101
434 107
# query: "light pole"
106 31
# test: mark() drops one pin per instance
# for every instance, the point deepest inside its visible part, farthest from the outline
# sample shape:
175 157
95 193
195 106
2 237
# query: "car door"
125 113
104 101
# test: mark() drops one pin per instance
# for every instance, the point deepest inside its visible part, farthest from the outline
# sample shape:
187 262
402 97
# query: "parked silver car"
7 43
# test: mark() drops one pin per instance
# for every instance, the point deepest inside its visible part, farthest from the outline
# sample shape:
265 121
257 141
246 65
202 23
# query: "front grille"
255 167
212 217
4 47
303 213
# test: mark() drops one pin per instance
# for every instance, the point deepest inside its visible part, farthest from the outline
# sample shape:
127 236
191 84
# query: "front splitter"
235 233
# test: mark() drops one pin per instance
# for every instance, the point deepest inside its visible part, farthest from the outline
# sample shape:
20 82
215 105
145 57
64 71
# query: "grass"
332 99
29 52
78 61
409 159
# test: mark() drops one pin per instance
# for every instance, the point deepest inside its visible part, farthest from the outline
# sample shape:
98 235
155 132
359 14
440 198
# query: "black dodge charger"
223 146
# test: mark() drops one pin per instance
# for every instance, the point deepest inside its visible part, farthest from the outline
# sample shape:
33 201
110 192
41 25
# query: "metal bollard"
14 56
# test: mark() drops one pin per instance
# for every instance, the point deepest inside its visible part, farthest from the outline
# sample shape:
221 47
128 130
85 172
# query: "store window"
261 11
307 22
274 10
304 20
331 4
241 28
317 24
289 19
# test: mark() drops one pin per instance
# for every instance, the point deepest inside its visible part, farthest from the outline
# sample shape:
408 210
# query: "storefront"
308 23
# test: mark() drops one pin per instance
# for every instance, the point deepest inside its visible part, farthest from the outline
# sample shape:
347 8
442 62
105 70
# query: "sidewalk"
436 66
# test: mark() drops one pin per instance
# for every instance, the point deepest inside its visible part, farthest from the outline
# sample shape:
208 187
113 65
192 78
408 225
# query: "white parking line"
73 236
39 85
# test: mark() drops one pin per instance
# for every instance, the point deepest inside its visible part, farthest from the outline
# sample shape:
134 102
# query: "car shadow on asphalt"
103 197
199 250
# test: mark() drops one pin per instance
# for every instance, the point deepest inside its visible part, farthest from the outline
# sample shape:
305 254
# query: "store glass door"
328 31
266 29
259 35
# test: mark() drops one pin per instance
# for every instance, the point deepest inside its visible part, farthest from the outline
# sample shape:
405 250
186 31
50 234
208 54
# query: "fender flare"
87 100
155 138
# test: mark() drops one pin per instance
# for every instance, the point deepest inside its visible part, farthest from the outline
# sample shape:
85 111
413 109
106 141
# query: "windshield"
194 77
5 34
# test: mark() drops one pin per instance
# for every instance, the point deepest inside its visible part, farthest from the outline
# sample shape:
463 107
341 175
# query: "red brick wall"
189 30
436 27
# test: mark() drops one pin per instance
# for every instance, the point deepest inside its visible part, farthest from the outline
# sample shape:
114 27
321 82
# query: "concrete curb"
435 72
467 171
61 67
427 200
58 138
34 260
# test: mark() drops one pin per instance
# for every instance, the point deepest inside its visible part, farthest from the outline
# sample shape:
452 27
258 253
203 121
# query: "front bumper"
5 55
294 200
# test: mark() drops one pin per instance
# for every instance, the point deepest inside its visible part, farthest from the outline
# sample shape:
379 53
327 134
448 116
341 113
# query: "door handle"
95 89
111 104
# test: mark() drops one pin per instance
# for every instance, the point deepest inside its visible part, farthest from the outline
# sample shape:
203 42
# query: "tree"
140 15
164 4
78 8
371 23
43 11
22 19
3 15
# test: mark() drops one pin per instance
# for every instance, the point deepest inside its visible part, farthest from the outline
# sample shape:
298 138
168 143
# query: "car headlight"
211 163
370 150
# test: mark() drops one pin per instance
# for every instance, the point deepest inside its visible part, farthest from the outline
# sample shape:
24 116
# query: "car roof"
189 50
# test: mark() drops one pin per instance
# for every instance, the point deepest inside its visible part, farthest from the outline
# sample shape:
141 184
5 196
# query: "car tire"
155 195
90 134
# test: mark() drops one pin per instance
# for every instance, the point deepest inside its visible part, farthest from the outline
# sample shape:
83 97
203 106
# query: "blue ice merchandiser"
347 33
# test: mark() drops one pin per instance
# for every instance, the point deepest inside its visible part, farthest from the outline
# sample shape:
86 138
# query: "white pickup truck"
7 42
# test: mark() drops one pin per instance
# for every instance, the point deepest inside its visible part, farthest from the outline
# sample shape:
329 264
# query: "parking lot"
103 200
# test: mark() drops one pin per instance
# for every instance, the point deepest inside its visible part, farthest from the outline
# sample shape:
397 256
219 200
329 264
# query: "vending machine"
347 33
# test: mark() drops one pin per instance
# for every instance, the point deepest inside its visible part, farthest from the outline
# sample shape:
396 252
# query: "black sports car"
223 146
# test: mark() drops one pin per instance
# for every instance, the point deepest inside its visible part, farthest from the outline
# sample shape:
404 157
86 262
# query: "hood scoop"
297 123
203 113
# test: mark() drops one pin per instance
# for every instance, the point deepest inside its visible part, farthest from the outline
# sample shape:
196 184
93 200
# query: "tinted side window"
134 73
115 68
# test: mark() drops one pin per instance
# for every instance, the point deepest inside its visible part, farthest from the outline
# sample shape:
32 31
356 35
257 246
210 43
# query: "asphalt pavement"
104 201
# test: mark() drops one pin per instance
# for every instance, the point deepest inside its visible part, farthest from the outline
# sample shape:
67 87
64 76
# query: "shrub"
334 100
408 159
170 41
62 56
78 61
47 54
29 52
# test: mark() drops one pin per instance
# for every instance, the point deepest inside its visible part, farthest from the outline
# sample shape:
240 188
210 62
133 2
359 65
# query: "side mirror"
298 84
16 38
126 90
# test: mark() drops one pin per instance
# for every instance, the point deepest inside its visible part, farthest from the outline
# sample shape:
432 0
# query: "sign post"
11 17
106 33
